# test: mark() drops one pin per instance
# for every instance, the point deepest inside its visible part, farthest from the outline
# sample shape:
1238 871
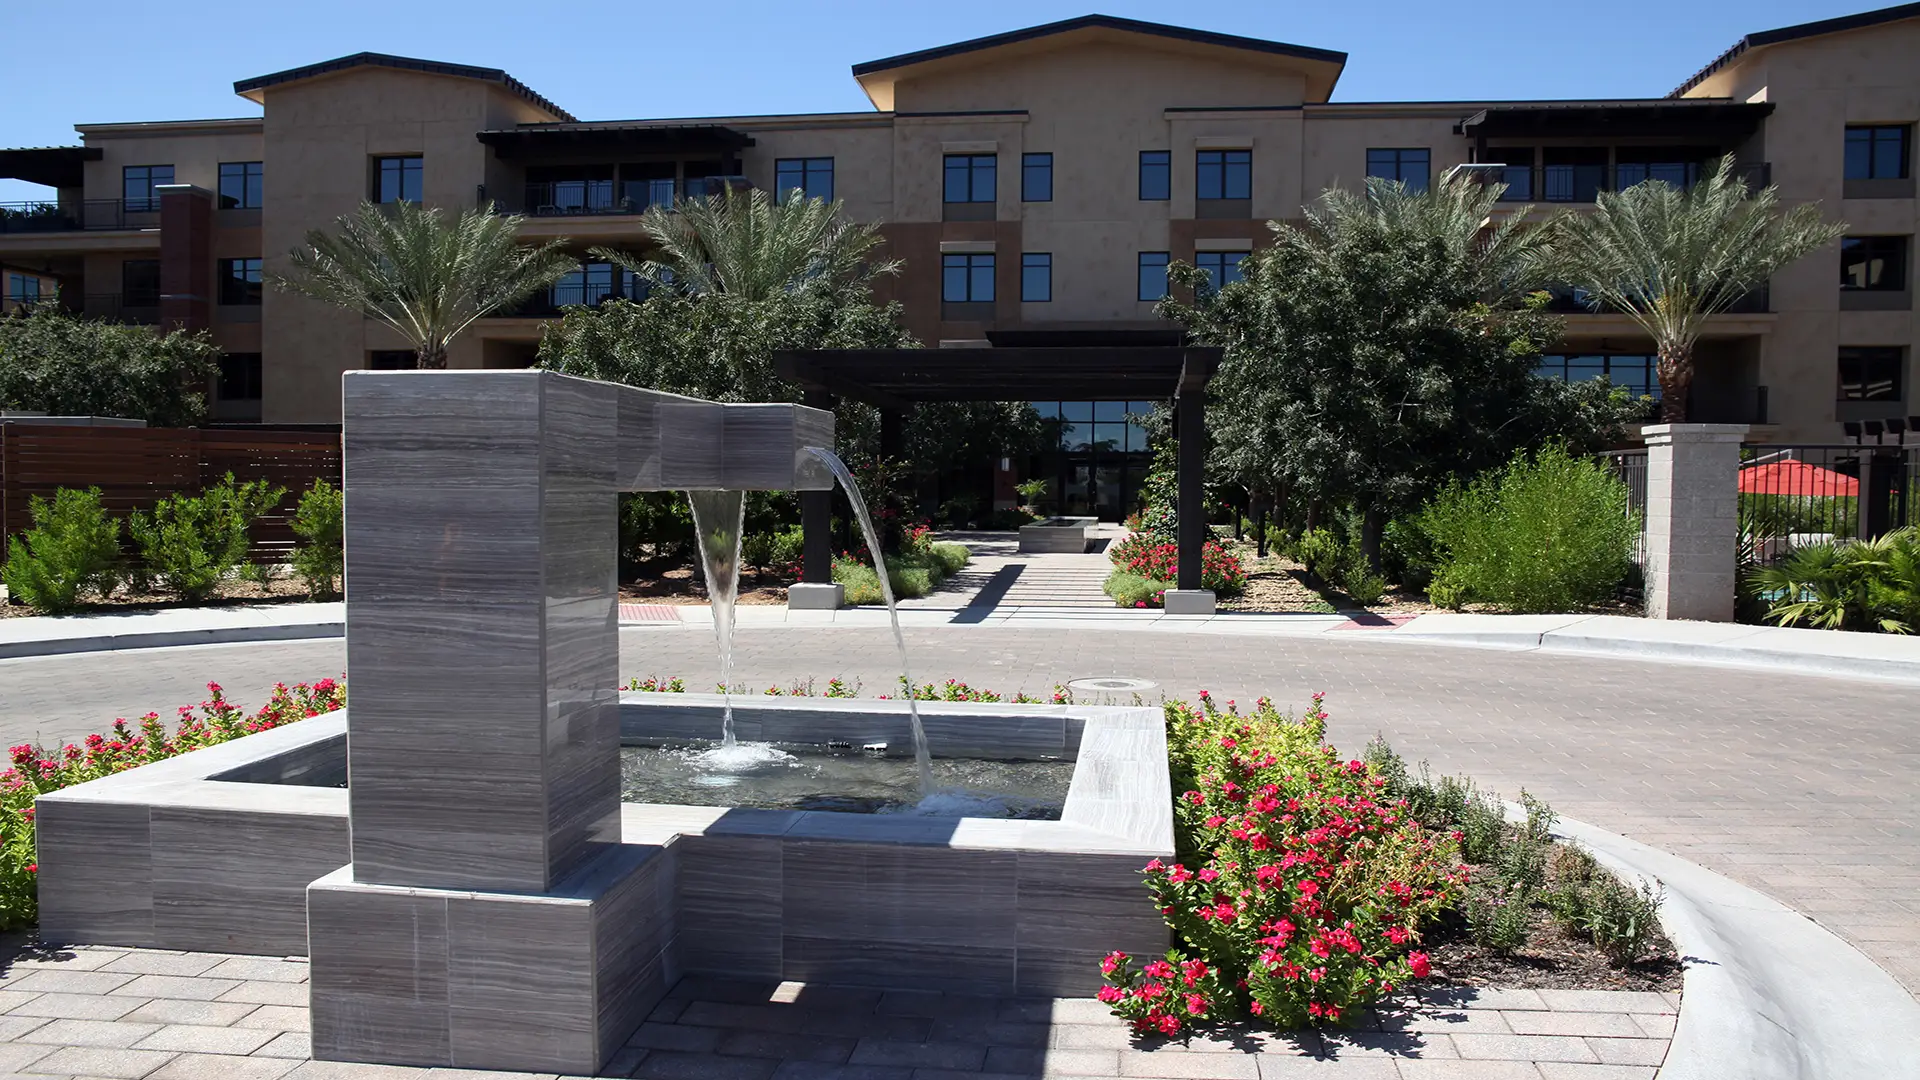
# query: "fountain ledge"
217 849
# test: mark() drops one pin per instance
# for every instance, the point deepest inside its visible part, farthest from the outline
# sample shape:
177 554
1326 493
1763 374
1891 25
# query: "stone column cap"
182 189
1669 433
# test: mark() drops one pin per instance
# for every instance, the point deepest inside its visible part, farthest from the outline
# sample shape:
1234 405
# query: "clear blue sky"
116 60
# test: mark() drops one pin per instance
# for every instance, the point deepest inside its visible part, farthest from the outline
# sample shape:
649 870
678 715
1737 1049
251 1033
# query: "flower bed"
1145 567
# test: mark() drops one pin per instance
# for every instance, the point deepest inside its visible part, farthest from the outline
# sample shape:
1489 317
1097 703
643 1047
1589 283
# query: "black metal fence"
90 214
1795 495
1631 467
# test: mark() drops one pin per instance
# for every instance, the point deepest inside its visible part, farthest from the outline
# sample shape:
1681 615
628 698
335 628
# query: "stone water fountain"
478 896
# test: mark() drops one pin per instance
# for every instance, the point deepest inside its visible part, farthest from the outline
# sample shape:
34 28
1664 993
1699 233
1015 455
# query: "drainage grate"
1113 685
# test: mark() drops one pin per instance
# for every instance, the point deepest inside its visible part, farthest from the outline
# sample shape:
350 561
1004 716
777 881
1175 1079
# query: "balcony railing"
1568 301
114 307
552 303
1580 183
568 198
88 215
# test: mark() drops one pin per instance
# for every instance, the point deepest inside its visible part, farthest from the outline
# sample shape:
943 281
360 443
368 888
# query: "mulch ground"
686 585
284 589
1551 960
1278 584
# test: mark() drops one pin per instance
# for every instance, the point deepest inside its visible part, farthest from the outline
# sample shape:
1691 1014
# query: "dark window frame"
23 288
1873 136
1893 253
973 166
1643 365
1864 383
1402 157
1157 166
239 377
379 174
1220 272
1149 260
970 264
1040 262
1231 178
131 297
241 282
809 170
149 177
248 178
1036 173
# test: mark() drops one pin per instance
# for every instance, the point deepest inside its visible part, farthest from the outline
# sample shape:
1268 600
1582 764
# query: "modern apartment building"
1038 179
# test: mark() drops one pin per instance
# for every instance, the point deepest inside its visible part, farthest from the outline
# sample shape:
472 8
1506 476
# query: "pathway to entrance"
999 579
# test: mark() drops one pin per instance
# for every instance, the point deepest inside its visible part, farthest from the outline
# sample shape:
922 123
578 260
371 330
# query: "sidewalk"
51 635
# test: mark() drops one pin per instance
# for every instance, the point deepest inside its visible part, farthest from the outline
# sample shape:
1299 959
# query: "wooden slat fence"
134 468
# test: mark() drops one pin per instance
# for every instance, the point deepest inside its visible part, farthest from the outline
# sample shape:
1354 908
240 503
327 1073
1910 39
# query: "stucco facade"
1095 94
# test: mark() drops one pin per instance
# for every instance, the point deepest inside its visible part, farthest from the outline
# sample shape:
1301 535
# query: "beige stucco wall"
194 150
1337 140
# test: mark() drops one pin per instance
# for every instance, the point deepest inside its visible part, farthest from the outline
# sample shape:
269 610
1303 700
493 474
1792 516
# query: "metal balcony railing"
552 303
1580 183
567 198
87 215
1568 301
114 307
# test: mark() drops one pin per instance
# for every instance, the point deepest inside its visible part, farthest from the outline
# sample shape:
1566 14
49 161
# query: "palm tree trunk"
430 357
1675 369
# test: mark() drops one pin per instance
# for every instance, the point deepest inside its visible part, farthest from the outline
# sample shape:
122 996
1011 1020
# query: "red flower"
1421 964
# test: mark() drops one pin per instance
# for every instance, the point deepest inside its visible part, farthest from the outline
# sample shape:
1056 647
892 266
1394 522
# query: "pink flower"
1159 969
1109 994
1421 964
1112 962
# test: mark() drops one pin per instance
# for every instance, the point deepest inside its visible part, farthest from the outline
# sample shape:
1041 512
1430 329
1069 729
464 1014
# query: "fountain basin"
215 850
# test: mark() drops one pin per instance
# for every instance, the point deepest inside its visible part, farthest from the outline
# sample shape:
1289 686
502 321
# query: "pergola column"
1190 426
816 589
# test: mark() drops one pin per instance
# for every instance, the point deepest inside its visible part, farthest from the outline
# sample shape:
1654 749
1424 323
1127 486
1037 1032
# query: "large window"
1411 167
1036 277
241 185
1036 177
1873 263
1223 174
812 175
1635 371
397 179
1156 175
970 178
1098 456
1872 373
140 283
240 281
1680 169
137 183
589 285
23 288
1153 275
1221 266
239 377
1878 152
966 279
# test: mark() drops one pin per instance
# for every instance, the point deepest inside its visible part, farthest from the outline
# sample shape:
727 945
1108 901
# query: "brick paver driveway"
1805 788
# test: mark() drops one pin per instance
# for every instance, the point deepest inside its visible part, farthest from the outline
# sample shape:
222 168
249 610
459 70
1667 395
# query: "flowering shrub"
37 771
1150 560
951 690
1299 891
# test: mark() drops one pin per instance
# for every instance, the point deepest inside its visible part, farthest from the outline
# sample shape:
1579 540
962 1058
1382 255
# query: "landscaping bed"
230 593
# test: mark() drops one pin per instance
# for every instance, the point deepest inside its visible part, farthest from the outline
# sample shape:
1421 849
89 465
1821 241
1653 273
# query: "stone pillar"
186 256
1190 418
1693 519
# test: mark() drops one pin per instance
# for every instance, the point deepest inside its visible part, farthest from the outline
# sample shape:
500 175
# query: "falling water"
839 469
717 520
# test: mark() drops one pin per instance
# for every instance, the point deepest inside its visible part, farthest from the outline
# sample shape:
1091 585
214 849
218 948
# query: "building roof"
1627 119
866 72
1794 33
251 88
54 166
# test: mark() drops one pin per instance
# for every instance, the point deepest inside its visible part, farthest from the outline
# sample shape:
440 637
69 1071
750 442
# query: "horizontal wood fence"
134 468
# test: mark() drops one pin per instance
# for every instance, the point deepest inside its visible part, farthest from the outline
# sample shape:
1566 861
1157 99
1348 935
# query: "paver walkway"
999 577
95 1011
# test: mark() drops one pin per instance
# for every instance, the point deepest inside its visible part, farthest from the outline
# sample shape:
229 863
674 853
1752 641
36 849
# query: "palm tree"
1670 258
425 276
1504 260
746 245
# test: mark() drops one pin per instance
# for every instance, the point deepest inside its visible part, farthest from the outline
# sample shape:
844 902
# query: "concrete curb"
59 636
1769 993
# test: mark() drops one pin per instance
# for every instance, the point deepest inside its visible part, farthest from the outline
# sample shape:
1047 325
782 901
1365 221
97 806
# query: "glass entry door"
1098 458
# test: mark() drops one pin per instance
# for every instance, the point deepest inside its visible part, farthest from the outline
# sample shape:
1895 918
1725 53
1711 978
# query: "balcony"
90 215
1579 183
597 289
573 198
1569 301
114 307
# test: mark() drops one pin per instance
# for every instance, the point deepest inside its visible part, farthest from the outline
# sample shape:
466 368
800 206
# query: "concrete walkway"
104 1012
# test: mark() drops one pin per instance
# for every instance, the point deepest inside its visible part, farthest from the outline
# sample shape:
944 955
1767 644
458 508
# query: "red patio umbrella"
1795 478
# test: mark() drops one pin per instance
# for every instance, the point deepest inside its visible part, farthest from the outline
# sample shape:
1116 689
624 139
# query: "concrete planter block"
1189 602
1056 535
816 596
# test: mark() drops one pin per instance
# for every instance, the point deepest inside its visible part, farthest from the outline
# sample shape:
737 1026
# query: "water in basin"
849 780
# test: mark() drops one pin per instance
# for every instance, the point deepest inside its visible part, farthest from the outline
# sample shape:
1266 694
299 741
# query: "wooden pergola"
1019 365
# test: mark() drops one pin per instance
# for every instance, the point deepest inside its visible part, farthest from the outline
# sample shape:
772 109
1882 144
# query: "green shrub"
320 558
1130 590
1363 585
912 574
950 557
1499 914
1621 919
73 547
780 552
1571 871
191 542
1321 552
1846 584
1550 533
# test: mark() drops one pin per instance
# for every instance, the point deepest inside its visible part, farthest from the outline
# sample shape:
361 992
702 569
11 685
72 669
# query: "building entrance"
1098 458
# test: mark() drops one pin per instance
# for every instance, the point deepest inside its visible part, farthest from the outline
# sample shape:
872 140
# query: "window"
1036 277
1409 166
396 179
137 183
589 285
1877 153
23 289
140 283
240 281
1573 174
966 279
1871 373
1876 263
239 377
240 185
1223 174
1153 275
391 360
970 178
1036 177
1518 174
1633 371
1639 166
1156 175
1223 267
813 175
